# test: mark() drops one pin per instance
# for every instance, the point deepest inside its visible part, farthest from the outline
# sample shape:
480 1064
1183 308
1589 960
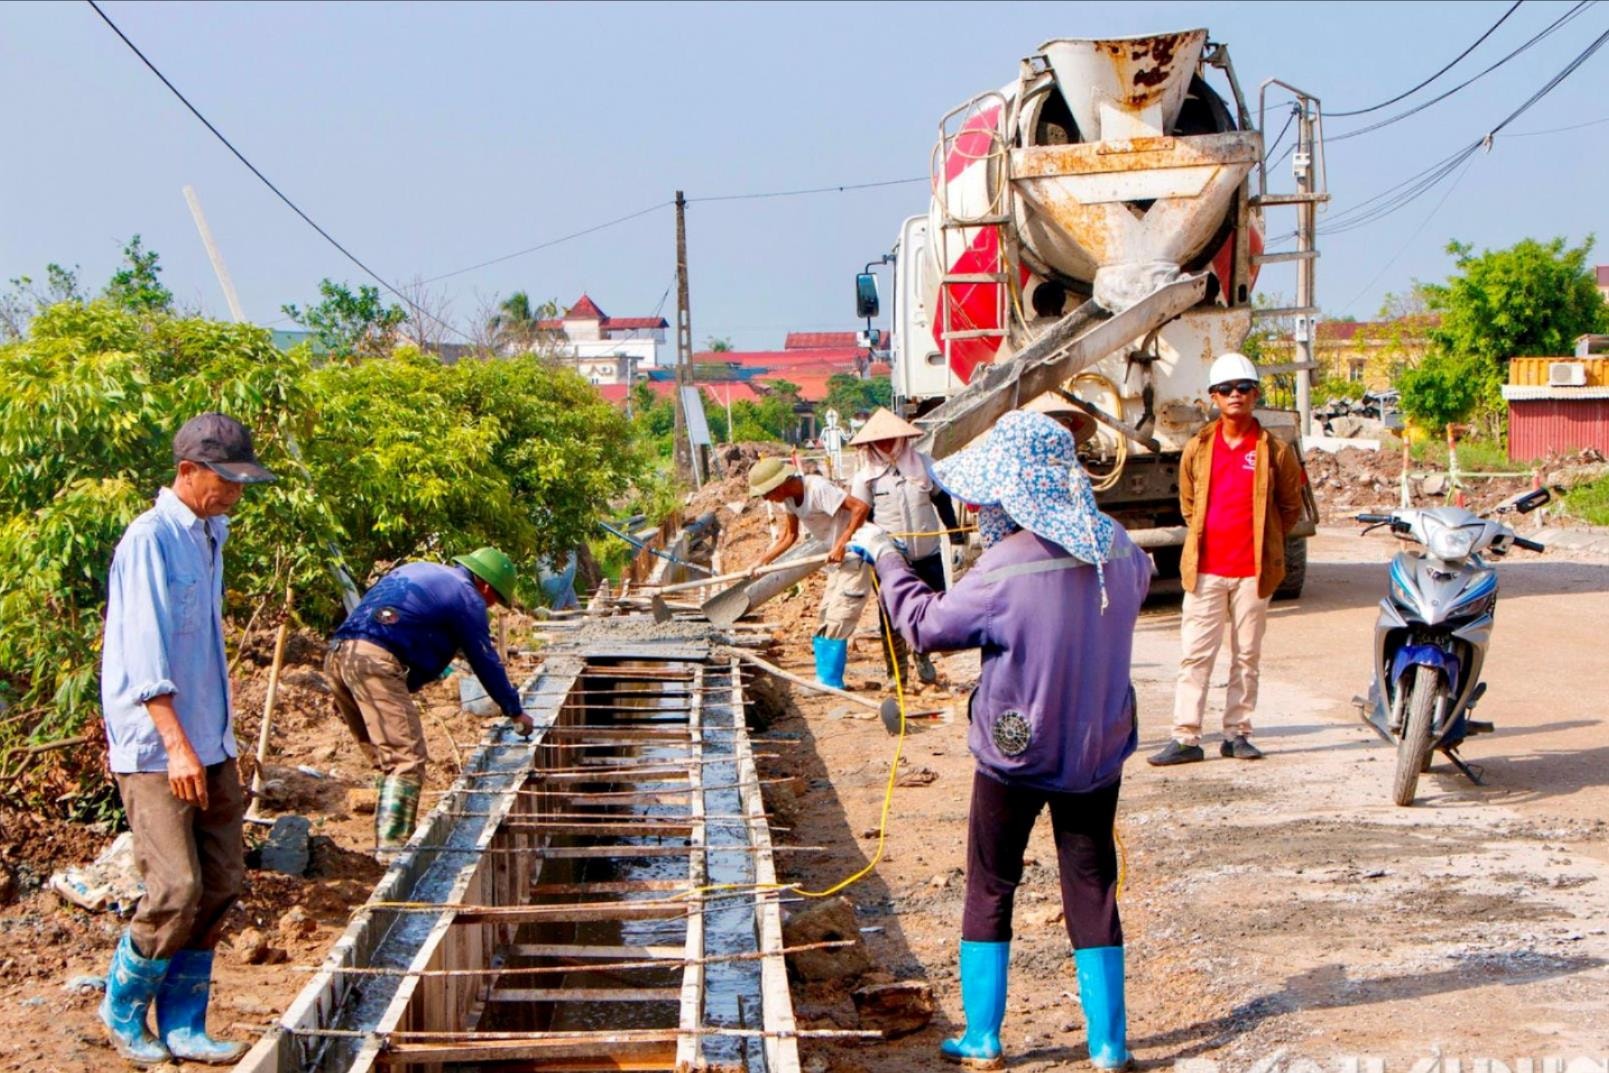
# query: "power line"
552 242
348 254
1408 93
1404 247
1559 130
1295 111
843 188
1581 6
1395 198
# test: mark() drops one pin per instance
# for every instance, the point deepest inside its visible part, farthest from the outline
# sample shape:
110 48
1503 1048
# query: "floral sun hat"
1025 475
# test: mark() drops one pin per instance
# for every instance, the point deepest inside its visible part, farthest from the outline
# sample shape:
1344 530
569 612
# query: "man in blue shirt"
171 745
400 637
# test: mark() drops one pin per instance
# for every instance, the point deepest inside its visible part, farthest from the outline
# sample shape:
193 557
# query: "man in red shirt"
1240 491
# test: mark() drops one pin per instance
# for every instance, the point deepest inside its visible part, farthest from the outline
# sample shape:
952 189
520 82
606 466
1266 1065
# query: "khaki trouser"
1219 601
193 861
371 691
848 585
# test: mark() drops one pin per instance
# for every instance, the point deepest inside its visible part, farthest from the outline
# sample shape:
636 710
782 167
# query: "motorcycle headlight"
1451 544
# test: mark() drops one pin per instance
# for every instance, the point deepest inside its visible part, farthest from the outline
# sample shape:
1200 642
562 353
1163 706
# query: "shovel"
661 610
725 608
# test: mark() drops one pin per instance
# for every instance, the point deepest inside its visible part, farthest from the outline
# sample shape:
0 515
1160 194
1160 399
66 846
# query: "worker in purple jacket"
1052 603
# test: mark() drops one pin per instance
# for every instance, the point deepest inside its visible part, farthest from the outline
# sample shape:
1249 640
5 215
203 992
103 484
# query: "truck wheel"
1295 569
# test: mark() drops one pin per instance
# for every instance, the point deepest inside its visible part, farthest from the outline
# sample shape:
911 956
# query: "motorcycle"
1431 637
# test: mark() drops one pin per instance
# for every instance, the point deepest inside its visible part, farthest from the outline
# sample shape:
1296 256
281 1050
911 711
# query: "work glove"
871 543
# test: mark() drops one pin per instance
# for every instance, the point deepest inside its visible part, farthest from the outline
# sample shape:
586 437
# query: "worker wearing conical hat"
896 479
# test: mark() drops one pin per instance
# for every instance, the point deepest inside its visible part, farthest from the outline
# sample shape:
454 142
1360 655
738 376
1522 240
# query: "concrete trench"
551 911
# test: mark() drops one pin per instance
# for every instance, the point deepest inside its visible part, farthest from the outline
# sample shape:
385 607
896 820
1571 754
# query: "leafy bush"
1445 388
401 457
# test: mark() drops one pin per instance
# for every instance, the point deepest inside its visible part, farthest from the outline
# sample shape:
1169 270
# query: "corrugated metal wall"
1538 427
1533 372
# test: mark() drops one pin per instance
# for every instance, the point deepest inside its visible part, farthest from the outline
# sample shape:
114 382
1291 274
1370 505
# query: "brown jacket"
1277 487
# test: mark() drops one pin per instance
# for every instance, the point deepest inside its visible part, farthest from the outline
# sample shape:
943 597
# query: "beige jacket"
1276 488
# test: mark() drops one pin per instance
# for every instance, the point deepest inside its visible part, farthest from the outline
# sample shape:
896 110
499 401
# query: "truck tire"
1295 569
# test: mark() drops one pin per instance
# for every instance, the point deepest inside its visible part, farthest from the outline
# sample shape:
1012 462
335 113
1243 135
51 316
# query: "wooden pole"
263 729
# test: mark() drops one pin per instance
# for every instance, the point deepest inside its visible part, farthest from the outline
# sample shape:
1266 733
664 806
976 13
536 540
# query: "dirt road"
1286 910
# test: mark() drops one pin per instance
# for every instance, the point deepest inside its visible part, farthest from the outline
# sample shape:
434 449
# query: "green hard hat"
767 475
492 567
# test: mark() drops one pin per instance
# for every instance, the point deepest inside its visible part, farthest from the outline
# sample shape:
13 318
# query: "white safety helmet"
1229 367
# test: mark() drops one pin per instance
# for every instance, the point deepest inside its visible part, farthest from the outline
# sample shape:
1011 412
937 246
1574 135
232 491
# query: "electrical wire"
1410 92
266 181
1404 193
1295 111
1409 241
595 228
1580 6
843 188
1559 130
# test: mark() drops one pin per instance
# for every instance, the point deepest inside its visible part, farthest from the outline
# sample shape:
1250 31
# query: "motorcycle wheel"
1413 748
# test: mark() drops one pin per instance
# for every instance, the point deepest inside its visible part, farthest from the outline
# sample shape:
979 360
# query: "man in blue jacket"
401 636
1052 602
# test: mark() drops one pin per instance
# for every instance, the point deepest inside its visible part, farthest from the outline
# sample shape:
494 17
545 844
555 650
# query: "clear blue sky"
428 137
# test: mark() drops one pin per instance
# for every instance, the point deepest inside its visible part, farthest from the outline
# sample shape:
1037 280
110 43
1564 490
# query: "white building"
605 349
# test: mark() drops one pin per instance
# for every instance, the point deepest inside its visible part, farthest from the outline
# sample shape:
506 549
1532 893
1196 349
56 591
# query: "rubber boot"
131 984
832 656
181 1011
395 814
983 999
1100 992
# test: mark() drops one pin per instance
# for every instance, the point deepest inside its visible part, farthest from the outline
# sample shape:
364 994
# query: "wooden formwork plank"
781 1049
565 914
286 1047
691 1015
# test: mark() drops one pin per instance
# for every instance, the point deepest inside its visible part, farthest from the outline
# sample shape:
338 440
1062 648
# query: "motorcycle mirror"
1533 499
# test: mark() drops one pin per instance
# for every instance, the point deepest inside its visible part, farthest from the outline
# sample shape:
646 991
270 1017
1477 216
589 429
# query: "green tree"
137 285
404 458
718 346
849 394
350 324
1531 299
1444 388
517 323
26 298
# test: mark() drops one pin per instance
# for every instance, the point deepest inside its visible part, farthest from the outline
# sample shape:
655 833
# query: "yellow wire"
888 795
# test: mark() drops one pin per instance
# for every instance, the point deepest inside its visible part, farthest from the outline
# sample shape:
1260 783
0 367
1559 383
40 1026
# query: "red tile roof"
818 340
835 357
586 309
716 391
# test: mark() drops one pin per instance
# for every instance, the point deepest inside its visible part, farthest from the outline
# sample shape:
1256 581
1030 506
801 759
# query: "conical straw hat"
1053 405
884 425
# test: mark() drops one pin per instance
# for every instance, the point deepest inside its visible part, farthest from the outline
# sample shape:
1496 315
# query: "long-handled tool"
887 709
727 607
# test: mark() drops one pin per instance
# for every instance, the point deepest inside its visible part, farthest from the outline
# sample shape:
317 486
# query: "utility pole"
218 267
1306 326
684 341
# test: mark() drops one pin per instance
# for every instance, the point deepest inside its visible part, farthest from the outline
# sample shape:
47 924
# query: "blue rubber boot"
832 656
181 1011
1100 992
131 983
983 999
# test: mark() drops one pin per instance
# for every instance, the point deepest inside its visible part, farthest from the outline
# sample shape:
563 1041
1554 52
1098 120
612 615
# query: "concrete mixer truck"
1094 232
